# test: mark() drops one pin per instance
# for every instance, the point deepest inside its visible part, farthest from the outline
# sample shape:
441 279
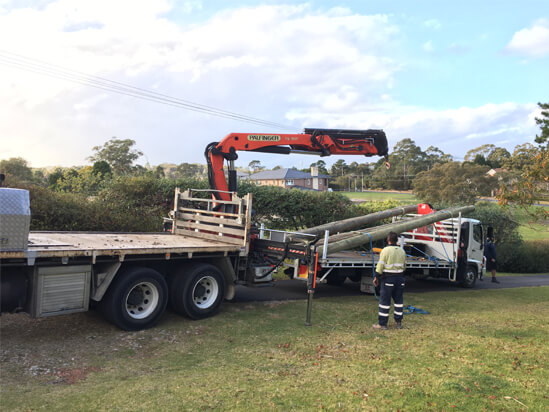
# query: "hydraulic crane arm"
322 142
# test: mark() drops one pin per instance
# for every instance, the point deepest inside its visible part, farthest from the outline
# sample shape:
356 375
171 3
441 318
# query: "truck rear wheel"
469 278
336 278
136 299
197 291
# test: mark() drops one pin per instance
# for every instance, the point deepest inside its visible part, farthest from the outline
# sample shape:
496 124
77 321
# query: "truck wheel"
197 290
469 277
136 299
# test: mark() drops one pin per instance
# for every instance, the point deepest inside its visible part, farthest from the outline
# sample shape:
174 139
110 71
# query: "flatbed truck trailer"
131 277
211 247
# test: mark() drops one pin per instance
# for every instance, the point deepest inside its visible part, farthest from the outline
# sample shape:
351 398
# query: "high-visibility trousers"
391 287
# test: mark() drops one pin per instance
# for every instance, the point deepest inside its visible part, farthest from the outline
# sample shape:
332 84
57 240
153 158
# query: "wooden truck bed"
74 244
197 228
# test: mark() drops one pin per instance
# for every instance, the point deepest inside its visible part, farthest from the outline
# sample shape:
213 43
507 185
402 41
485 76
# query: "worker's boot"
398 325
379 327
494 280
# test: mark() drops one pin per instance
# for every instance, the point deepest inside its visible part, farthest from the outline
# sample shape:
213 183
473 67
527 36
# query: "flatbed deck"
93 244
358 259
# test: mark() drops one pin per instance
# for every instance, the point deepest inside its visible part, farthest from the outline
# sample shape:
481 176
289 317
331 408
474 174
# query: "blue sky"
454 75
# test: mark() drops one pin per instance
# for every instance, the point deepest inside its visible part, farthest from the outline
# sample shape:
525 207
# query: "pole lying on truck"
381 232
360 221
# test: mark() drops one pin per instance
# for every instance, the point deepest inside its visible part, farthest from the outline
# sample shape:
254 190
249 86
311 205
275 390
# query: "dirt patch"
65 349
70 376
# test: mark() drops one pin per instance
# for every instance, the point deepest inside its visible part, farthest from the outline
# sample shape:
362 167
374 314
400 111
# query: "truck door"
476 244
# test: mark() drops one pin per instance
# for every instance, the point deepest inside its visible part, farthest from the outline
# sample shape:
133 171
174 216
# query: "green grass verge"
534 232
529 229
499 274
381 196
477 350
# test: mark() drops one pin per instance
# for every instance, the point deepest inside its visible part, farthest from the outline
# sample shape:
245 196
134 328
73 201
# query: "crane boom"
321 142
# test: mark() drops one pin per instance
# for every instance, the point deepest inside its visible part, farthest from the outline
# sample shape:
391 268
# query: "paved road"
295 289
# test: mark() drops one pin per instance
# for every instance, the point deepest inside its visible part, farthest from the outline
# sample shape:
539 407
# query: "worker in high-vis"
390 278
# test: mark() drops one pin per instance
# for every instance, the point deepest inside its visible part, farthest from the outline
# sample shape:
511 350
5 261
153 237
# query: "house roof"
495 171
283 174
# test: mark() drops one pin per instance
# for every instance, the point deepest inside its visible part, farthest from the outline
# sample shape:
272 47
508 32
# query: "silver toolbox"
14 219
60 289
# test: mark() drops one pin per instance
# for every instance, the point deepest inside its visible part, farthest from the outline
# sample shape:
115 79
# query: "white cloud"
432 24
533 42
287 64
260 61
491 133
428 46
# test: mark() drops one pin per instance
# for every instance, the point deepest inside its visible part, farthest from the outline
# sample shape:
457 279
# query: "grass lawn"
504 274
529 230
477 350
381 196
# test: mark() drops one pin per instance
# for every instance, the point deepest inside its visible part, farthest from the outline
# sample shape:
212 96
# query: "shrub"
529 257
137 204
125 204
293 209
62 211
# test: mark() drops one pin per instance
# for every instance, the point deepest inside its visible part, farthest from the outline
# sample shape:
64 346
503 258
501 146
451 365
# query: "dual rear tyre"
138 296
197 290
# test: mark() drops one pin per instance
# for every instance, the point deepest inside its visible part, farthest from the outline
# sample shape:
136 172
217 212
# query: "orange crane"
322 142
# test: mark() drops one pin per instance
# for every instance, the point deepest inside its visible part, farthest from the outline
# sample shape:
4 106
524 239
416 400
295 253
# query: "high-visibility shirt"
392 259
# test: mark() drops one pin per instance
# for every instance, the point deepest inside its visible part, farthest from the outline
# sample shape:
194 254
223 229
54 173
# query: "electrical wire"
51 70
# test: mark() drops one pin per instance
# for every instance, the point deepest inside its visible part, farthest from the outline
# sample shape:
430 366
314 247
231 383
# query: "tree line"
115 194
434 176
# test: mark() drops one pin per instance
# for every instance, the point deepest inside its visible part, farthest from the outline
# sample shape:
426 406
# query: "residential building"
292 178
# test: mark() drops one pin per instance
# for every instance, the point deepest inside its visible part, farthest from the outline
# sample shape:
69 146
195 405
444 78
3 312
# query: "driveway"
295 289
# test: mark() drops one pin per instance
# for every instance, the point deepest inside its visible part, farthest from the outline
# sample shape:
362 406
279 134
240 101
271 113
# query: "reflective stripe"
398 313
383 314
385 307
392 259
397 265
389 284
399 305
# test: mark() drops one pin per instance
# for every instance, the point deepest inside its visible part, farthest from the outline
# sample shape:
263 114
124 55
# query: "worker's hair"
392 237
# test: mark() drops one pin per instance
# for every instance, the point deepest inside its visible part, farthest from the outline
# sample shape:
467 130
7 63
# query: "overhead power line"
51 70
